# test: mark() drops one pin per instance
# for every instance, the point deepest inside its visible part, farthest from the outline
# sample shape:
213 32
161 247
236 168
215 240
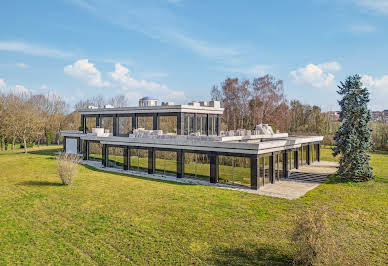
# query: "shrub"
67 167
312 239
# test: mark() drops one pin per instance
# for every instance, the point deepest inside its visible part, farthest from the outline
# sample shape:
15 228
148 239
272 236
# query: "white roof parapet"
155 109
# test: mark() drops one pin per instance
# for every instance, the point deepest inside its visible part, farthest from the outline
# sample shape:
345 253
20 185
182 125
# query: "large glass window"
188 124
234 170
165 162
197 165
139 159
201 124
90 123
95 151
168 124
115 157
125 125
146 122
107 123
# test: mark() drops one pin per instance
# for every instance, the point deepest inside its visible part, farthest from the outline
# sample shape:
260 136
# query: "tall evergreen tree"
353 138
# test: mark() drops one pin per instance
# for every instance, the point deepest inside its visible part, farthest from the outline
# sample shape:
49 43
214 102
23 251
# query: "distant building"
385 115
376 116
334 115
148 101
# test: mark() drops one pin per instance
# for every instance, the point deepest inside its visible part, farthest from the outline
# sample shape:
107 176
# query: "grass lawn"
107 218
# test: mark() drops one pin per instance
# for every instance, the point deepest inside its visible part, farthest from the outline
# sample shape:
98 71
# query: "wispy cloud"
32 49
362 28
159 23
255 70
379 6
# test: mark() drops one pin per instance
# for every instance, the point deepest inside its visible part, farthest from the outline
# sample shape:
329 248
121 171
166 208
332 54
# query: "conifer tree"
353 138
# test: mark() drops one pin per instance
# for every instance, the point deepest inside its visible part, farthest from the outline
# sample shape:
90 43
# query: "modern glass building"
186 141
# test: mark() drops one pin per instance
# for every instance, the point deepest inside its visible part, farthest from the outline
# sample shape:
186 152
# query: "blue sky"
177 49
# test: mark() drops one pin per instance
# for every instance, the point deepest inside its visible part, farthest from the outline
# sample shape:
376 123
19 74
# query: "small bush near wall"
67 167
312 239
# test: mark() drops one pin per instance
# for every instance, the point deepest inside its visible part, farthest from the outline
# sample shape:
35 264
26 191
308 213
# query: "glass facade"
115 157
139 159
95 151
125 125
197 166
168 124
146 122
165 162
107 123
234 170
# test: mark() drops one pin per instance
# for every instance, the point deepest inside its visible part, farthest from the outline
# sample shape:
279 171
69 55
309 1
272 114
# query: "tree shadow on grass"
136 176
261 255
45 152
40 183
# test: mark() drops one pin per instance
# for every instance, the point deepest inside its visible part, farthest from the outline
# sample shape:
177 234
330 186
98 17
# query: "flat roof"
193 143
154 109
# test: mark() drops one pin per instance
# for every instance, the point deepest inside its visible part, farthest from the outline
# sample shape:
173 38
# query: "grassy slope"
111 218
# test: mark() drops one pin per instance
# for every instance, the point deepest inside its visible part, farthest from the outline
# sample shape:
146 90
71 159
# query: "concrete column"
86 150
151 160
285 164
126 158
98 121
105 155
180 124
115 126
83 123
155 121
134 121
308 161
319 152
296 159
218 125
255 172
180 164
214 166
271 168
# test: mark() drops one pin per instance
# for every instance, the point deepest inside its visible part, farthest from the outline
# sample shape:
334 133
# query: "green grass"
107 218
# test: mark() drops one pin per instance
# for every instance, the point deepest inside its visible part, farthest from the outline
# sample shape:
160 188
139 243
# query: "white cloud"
380 6
381 84
86 71
135 89
317 76
2 84
31 49
362 28
22 65
378 88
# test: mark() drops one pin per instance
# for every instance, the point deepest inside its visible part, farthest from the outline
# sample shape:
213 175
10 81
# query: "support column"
308 161
105 155
83 123
180 124
271 168
285 164
218 125
319 152
207 125
180 164
134 121
195 126
151 160
296 159
64 144
98 121
126 158
115 126
214 166
86 150
155 121
255 172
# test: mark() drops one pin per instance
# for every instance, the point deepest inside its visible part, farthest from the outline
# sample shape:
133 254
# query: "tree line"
34 119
